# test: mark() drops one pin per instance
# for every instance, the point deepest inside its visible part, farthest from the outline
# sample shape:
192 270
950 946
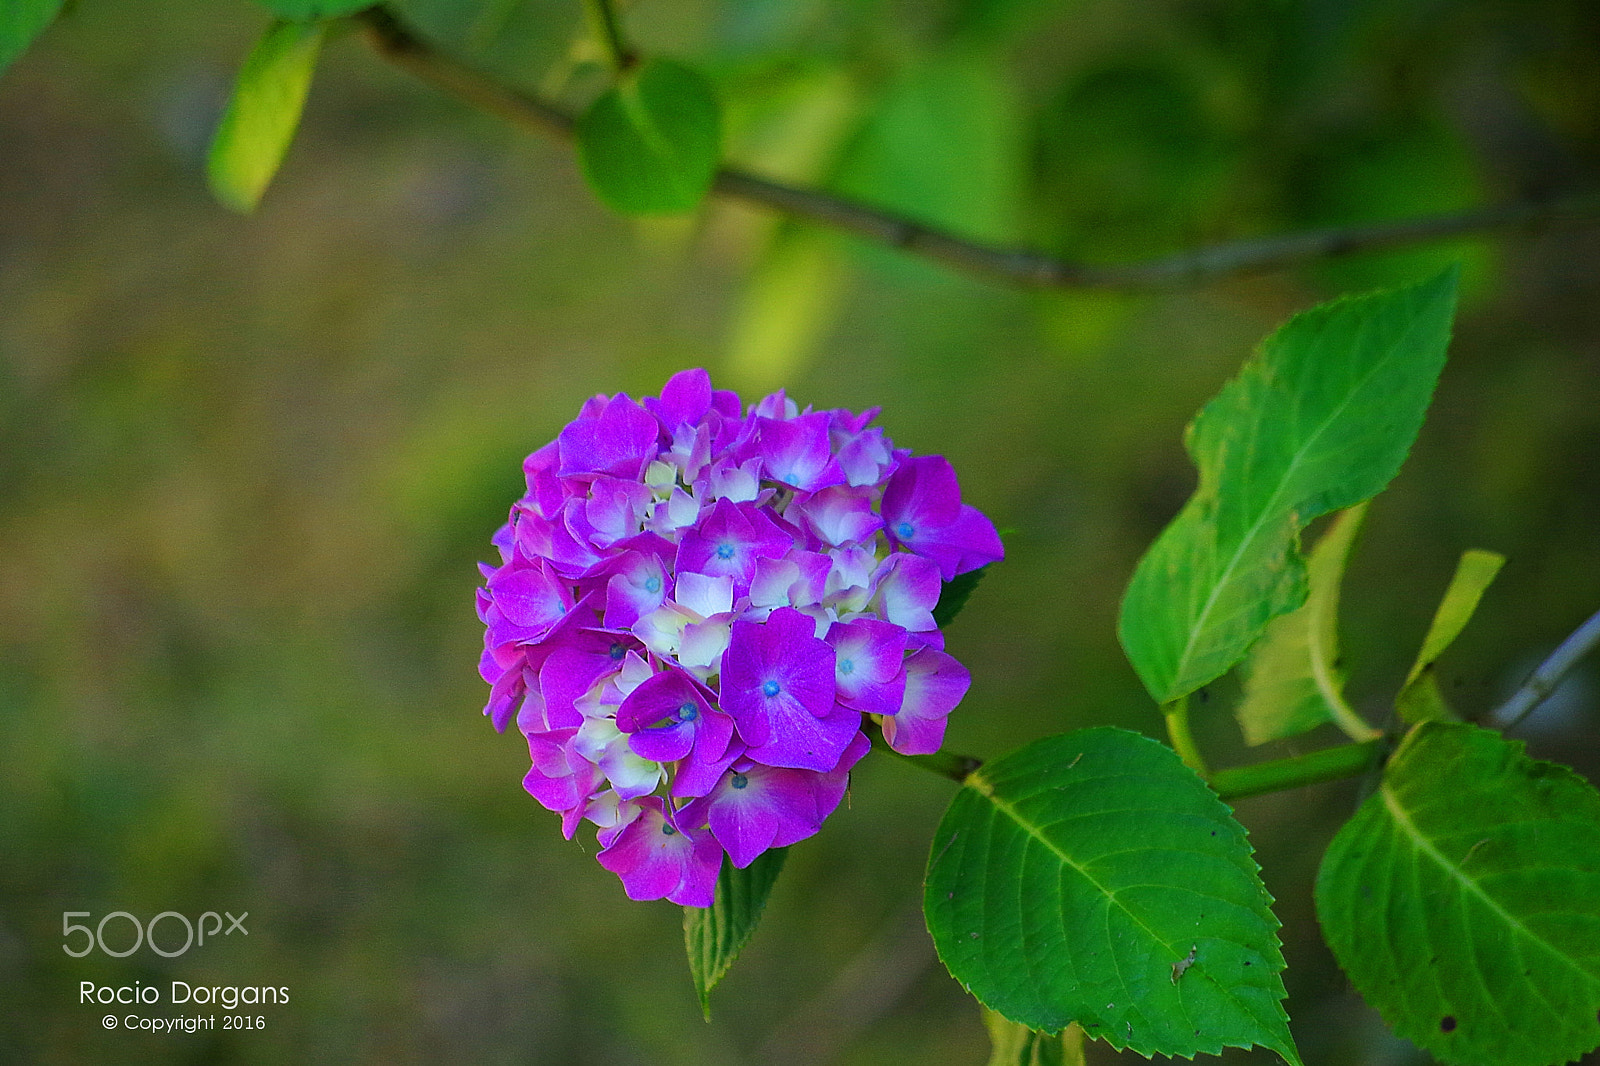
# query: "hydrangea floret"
698 607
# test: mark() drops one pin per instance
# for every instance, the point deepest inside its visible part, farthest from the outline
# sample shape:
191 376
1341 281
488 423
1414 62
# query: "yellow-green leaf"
1420 699
1292 681
262 114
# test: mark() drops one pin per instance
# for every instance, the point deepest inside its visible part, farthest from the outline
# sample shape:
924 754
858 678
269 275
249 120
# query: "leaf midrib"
983 787
1425 845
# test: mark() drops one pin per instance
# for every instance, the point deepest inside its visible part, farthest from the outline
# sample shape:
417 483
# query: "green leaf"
262 115
20 22
1292 681
1016 1045
714 935
650 144
953 596
1319 419
1091 877
1463 899
1419 699
311 10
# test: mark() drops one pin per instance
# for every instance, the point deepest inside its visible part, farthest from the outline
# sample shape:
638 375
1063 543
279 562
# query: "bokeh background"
247 465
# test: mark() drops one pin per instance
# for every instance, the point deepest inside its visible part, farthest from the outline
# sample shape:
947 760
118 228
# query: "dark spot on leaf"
1447 1024
1247 962
1213 832
1205 695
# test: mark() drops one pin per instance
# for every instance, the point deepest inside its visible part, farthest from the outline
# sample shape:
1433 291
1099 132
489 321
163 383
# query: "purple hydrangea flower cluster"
695 608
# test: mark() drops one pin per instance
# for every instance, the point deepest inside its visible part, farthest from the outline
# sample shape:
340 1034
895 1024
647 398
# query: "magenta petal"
715 750
906 588
729 541
685 399
965 544
559 778
838 516
530 598
778 685
832 785
868 664
575 667
638 586
615 510
935 683
804 742
656 859
798 452
922 494
620 441
759 808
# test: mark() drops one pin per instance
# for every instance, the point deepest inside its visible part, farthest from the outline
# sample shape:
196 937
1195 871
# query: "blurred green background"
247 465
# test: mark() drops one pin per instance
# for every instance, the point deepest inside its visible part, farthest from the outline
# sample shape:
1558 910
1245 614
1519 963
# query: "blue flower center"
617 652
667 830
847 666
739 781
688 712
725 550
652 584
770 688
905 530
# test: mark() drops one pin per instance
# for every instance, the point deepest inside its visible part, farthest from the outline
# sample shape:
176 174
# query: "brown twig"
1013 266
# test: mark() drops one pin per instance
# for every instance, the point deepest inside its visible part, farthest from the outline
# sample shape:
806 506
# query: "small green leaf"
1420 699
714 935
1091 877
953 596
1319 419
650 144
1292 680
1463 899
1016 1045
20 22
311 10
262 115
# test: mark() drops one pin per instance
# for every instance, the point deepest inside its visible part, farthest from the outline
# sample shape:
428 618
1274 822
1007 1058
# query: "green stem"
607 30
944 763
1177 716
1329 764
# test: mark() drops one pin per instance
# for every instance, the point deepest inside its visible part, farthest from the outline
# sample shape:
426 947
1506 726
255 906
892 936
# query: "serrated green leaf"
1092 877
953 596
1320 418
21 21
1419 699
1011 1044
1463 899
714 935
311 10
1292 680
260 121
650 144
